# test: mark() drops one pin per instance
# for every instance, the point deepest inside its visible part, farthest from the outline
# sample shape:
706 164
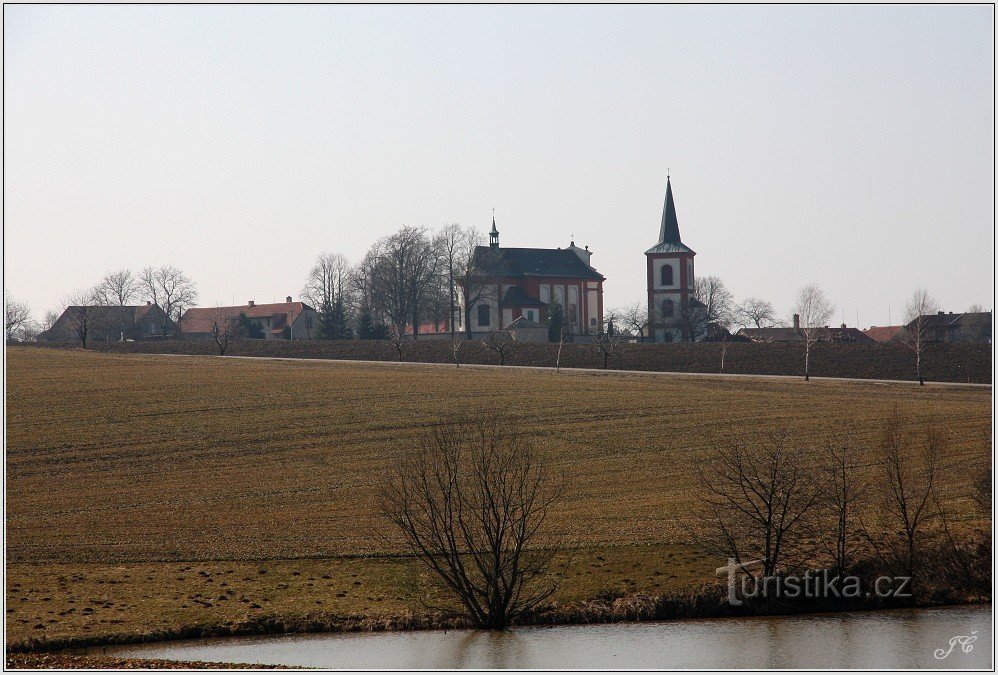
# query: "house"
110 323
278 321
882 333
505 284
795 334
950 327
674 314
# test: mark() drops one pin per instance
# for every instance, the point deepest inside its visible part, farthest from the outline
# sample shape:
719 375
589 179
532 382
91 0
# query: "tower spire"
670 224
494 234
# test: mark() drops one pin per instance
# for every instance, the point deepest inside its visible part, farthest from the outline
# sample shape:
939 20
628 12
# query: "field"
153 494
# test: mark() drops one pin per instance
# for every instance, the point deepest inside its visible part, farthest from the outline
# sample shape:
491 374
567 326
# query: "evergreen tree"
341 330
365 324
247 328
556 320
326 329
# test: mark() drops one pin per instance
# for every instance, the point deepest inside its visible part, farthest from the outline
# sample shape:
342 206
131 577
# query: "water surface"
887 639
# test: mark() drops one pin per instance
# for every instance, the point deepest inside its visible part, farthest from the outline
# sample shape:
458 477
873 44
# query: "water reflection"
893 639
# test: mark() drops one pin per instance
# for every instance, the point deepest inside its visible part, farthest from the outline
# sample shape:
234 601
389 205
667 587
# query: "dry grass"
131 477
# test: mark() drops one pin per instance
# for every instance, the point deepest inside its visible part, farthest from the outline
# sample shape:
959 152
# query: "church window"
484 315
530 315
666 275
668 308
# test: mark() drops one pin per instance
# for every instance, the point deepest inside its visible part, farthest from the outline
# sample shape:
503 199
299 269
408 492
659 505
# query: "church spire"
494 234
670 225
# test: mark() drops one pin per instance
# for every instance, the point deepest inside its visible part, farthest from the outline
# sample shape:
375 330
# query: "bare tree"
814 311
909 463
83 314
117 288
17 316
605 343
472 503
401 267
168 287
844 488
634 317
326 280
760 504
222 331
456 246
502 343
481 283
51 316
709 304
915 334
755 312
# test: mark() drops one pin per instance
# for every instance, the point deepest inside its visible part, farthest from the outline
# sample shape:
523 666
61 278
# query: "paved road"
590 371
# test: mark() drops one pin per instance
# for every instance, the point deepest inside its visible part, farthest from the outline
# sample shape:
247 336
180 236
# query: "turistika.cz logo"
743 584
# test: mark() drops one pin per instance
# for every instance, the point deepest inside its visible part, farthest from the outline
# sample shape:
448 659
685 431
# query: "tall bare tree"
84 315
51 316
918 317
843 490
168 287
16 315
456 245
634 317
326 280
814 310
481 283
502 343
472 503
909 464
401 267
117 288
761 503
755 312
710 303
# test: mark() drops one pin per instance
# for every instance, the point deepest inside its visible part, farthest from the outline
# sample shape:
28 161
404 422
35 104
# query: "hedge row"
943 362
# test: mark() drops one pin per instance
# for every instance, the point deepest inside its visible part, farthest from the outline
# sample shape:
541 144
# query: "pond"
884 639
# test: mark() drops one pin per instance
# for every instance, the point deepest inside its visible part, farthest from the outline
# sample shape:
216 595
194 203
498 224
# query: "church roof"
669 240
531 262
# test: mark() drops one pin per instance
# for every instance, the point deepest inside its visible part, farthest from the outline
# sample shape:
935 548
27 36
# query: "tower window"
668 308
666 275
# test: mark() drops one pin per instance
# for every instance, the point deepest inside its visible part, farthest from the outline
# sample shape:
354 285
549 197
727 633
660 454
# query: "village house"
795 333
110 323
277 321
506 284
950 327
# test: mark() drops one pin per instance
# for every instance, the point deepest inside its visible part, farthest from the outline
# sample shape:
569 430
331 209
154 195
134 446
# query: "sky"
847 146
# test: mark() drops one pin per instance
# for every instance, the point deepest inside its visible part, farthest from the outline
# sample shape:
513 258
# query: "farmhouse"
794 333
103 323
950 327
278 321
505 284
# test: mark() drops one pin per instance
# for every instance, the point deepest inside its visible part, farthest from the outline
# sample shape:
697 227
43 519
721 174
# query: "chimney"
289 299
148 302
796 320
842 326
251 303
941 313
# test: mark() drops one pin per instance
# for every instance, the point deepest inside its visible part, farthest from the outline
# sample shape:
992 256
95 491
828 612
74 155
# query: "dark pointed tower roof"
670 224
669 240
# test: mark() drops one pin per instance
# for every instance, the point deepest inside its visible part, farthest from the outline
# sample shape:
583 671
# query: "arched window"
666 275
668 308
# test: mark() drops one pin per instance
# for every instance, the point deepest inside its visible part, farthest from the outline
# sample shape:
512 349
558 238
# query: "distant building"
950 327
506 284
882 333
674 314
110 323
794 333
278 321
525 330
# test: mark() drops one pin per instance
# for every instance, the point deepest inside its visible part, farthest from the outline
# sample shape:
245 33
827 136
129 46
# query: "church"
512 288
674 314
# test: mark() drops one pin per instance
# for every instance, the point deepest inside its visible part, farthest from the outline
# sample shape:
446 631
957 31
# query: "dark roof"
829 334
201 319
517 297
669 240
532 262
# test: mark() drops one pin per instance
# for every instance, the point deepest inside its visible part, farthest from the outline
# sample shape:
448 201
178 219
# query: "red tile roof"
201 319
882 333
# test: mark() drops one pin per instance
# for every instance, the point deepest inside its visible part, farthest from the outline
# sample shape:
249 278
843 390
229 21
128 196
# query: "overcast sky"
848 146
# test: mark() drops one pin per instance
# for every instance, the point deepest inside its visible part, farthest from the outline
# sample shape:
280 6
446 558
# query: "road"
588 371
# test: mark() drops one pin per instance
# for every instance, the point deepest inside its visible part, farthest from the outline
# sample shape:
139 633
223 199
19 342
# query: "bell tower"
670 279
